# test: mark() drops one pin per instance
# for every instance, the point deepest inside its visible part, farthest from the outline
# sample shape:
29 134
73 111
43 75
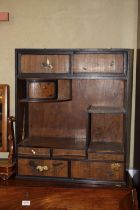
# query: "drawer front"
65 153
37 167
97 170
31 151
42 90
113 157
44 64
105 63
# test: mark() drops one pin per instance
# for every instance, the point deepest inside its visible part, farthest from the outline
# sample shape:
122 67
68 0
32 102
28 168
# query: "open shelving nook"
73 113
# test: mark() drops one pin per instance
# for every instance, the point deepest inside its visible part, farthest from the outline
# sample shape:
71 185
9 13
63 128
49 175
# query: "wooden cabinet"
73 114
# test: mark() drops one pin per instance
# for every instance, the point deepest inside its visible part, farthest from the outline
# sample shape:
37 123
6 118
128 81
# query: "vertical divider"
51 153
69 169
88 133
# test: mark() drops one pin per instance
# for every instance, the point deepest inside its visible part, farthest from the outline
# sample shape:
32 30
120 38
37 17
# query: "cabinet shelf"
26 100
56 142
105 110
43 76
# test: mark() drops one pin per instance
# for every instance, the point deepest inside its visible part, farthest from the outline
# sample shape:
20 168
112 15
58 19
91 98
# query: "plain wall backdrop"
66 24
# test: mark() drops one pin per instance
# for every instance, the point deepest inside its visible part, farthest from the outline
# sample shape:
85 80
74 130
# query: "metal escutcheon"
42 168
115 167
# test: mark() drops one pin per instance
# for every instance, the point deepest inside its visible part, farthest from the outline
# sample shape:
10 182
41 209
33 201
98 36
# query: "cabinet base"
45 195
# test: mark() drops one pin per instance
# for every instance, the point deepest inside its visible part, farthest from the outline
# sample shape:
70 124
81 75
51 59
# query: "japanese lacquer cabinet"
73 110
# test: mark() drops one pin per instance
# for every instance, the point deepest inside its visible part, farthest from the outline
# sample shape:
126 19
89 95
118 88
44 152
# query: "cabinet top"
72 50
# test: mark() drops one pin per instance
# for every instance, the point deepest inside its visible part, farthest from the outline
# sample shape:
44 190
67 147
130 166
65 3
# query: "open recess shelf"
54 142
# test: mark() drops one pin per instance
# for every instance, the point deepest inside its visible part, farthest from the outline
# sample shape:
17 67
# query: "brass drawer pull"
115 167
47 65
33 151
42 168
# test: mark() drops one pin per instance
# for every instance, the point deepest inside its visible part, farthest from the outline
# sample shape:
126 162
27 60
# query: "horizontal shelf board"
56 142
36 77
89 182
100 75
41 76
71 50
106 147
71 183
26 100
105 110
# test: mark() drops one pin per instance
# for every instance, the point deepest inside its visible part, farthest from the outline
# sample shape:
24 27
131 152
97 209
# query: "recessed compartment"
106 133
106 127
47 90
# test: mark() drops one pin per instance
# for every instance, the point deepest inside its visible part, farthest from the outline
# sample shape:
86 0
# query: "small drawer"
44 64
39 167
68 153
99 171
99 63
31 151
101 156
42 90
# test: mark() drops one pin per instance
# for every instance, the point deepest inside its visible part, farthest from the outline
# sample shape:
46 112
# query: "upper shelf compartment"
72 63
44 63
99 63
